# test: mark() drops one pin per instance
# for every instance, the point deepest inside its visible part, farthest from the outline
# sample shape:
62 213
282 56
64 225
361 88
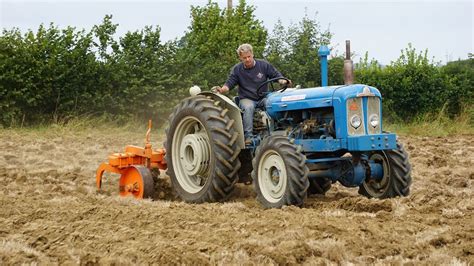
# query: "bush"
414 85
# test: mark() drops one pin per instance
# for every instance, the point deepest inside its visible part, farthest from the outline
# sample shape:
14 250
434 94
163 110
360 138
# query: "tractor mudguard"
234 113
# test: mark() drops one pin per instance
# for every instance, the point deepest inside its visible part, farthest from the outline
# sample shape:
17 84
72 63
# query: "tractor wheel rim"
131 184
377 188
272 176
191 154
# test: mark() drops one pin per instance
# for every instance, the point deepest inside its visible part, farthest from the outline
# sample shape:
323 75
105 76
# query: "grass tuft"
436 125
86 126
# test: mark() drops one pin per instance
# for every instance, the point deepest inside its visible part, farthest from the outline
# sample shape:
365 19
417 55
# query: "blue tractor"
305 140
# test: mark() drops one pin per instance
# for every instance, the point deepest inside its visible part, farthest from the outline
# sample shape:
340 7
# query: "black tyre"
202 151
396 179
319 185
280 174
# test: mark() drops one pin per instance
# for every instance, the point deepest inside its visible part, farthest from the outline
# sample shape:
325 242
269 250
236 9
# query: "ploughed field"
51 212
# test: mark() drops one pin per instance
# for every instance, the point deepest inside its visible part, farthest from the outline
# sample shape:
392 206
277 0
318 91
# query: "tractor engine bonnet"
300 99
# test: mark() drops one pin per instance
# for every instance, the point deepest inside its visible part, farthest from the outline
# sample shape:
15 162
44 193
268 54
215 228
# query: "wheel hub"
275 176
191 154
378 186
272 176
194 154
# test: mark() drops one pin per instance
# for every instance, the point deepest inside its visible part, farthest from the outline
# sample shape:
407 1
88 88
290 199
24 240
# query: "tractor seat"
236 100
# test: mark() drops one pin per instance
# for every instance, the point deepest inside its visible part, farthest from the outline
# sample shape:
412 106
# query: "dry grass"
436 125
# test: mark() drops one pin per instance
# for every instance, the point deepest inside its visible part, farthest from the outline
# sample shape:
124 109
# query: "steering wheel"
281 89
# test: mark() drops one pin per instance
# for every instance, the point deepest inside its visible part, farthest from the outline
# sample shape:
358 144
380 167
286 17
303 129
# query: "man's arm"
273 73
232 80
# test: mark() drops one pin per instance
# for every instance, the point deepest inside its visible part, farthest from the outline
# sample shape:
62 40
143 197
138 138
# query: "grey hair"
244 48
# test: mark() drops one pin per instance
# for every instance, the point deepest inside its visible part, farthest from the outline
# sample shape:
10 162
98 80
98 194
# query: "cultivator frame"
134 166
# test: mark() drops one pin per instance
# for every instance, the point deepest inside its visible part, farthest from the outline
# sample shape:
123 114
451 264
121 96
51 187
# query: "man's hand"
223 90
285 82
215 89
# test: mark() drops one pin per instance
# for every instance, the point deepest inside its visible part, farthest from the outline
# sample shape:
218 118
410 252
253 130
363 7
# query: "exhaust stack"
348 66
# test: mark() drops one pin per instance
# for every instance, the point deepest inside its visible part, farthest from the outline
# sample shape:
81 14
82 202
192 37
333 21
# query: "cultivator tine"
100 172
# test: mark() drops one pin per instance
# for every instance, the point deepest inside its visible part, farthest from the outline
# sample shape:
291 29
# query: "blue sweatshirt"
249 79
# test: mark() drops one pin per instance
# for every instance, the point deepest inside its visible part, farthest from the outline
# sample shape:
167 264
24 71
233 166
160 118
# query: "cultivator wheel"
202 151
396 178
137 181
280 174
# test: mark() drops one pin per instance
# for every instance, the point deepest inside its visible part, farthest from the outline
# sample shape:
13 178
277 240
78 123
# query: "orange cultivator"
134 167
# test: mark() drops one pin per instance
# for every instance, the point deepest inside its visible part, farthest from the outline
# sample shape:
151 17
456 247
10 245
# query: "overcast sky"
382 28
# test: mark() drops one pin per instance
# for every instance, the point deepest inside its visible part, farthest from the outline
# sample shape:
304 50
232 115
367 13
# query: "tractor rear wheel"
202 151
280 174
396 178
137 181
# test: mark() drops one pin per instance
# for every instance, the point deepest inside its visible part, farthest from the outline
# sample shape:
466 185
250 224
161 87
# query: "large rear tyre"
202 151
396 178
137 181
280 175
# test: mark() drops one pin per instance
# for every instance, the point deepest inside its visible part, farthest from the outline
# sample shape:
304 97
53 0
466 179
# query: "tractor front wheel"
280 174
396 178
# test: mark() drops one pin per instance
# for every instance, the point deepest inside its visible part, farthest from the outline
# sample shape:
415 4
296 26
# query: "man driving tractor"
249 74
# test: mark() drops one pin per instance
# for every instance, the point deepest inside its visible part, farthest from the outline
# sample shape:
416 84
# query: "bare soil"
51 212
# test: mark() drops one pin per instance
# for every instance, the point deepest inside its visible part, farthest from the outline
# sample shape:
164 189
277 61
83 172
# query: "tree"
207 51
149 81
460 75
43 73
295 51
278 49
336 70
55 74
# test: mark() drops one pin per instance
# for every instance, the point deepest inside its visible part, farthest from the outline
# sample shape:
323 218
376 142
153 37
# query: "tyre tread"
226 148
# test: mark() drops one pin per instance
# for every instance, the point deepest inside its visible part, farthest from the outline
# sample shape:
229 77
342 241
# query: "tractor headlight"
356 121
374 120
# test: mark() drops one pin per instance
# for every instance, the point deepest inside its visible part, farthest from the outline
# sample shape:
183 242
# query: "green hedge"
52 74
413 85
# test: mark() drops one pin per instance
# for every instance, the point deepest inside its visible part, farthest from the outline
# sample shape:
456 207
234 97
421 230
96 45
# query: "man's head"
245 52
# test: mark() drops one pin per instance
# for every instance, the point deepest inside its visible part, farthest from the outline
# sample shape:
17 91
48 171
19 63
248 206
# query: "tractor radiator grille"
367 111
373 109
